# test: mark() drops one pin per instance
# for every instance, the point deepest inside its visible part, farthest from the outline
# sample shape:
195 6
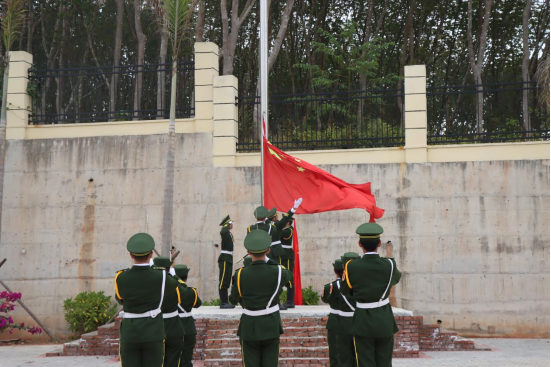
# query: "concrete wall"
471 238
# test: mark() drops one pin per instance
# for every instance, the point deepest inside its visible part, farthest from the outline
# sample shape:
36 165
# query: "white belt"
275 243
226 252
372 304
170 315
334 312
287 246
129 315
184 313
262 312
346 314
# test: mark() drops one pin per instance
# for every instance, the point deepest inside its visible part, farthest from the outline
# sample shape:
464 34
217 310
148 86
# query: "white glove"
297 204
172 272
151 262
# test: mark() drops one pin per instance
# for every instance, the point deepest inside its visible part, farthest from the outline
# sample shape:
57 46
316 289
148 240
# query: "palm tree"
12 19
175 14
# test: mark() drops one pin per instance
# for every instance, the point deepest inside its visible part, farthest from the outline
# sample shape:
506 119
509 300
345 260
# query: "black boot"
290 298
281 306
224 304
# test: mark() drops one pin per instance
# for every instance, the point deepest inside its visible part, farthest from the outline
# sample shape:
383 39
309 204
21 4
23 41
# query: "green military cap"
181 270
140 244
272 212
369 230
247 261
257 241
261 212
337 265
225 221
349 256
162 261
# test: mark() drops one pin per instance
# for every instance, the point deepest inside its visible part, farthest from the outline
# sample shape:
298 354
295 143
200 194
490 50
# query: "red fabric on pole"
287 178
296 270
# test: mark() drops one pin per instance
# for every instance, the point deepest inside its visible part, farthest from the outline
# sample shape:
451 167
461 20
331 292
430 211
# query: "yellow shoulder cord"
291 235
249 229
239 282
179 298
346 274
195 302
116 286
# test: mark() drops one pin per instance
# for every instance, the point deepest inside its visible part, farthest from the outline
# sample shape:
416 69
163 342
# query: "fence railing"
325 120
453 118
101 94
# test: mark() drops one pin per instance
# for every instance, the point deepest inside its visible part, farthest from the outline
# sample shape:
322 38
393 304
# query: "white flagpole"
263 86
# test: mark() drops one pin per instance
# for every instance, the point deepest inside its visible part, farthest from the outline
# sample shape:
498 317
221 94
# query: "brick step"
285 362
299 352
285 342
295 332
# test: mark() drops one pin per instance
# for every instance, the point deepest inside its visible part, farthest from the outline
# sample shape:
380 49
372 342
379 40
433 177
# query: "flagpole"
263 87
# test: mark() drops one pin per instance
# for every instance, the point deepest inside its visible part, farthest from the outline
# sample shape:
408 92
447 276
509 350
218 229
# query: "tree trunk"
161 74
116 59
200 25
140 60
168 211
525 65
3 123
59 80
229 39
408 28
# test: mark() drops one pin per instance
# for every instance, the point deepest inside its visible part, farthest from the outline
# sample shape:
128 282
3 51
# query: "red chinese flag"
296 270
287 178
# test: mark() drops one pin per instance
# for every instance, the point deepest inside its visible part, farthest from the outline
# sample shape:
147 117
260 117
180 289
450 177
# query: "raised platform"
304 340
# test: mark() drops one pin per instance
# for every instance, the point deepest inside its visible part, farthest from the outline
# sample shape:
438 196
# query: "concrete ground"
505 353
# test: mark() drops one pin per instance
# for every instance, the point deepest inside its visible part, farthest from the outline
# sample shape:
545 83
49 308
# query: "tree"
525 64
175 13
478 61
13 20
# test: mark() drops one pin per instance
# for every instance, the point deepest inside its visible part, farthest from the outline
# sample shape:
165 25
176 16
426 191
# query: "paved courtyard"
506 353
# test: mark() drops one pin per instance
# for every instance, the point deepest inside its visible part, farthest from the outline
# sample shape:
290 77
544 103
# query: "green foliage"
212 302
176 16
13 21
87 311
309 296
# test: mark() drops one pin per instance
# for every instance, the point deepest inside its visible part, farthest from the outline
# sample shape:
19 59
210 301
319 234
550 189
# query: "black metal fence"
325 120
453 118
101 94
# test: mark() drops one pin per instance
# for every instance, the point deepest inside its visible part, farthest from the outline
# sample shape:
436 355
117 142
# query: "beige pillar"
225 121
19 102
206 68
415 90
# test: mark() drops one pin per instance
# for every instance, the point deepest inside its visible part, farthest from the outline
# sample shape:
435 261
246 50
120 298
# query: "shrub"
88 311
7 304
212 302
309 296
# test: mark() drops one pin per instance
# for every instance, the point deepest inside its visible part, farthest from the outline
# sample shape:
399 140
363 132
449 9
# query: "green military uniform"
346 306
369 281
279 251
189 300
173 327
331 296
141 291
257 288
261 213
287 244
225 262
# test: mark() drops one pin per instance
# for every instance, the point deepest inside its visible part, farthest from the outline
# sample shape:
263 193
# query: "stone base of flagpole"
304 340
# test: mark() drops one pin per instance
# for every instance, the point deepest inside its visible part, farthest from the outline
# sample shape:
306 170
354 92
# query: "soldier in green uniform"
287 245
190 299
225 262
346 306
141 291
369 281
174 330
332 297
257 288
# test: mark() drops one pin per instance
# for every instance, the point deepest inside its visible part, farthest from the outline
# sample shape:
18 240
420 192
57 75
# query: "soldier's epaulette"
158 268
272 223
181 281
120 271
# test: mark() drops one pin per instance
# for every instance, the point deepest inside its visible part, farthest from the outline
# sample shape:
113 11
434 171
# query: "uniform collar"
371 254
259 262
141 264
